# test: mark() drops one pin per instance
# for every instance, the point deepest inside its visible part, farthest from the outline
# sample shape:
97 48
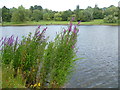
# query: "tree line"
37 13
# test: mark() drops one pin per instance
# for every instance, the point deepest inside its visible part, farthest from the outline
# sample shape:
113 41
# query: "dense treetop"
37 13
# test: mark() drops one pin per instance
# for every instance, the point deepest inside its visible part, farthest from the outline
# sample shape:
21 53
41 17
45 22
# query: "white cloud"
58 5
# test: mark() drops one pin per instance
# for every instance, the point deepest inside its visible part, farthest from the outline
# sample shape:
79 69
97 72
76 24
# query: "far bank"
32 23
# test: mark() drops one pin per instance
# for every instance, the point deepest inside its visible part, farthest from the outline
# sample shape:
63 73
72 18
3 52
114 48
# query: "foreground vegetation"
36 63
92 22
8 81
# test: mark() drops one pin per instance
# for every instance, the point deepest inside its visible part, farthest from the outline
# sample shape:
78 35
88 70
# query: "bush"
41 63
110 19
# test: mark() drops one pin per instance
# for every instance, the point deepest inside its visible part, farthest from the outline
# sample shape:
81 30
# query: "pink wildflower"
64 31
73 18
75 30
39 26
79 22
70 28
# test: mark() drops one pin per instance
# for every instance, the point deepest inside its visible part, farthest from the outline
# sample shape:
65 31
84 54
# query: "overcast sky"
58 5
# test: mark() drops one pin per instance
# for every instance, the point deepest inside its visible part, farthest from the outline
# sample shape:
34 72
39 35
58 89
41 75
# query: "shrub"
111 19
41 63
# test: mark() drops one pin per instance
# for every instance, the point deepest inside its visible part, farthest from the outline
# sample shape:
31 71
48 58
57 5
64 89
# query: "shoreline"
59 24
33 23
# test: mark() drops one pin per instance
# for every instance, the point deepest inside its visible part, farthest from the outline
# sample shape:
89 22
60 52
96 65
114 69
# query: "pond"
98 45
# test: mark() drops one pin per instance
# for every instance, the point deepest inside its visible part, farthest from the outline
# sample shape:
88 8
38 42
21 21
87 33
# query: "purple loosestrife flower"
79 22
45 29
16 40
10 41
38 35
39 26
64 31
5 39
73 46
70 27
1 39
37 32
75 30
78 30
73 18
2 43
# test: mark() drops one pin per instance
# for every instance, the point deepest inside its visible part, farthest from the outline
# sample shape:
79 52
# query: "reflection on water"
98 45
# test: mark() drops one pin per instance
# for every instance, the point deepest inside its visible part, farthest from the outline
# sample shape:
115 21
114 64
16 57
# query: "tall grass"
42 64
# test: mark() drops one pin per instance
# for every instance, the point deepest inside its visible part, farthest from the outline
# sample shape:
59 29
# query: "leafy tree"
66 14
77 12
97 14
71 16
58 16
37 7
19 15
31 8
111 14
90 10
85 15
6 16
111 10
28 15
46 16
111 19
37 15
51 15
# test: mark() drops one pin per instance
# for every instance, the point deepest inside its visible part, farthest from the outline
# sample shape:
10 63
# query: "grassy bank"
93 22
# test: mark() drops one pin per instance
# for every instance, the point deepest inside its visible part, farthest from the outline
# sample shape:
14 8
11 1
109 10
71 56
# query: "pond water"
98 45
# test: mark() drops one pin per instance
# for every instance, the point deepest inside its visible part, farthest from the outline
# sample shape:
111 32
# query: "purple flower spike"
5 39
79 22
38 35
1 39
70 28
45 29
16 40
72 46
37 32
75 30
39 26
73 18
2 43
64 31
10 40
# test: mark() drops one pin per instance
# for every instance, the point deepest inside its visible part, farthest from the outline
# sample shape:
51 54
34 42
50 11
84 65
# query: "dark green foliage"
111 14
85 16
19 15
37 13
66 15
6 15
57 16
36 7
46 16
97 13
110 19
